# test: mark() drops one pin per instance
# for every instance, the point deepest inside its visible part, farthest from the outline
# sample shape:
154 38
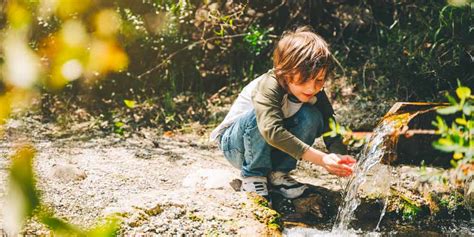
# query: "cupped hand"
346 159
338 165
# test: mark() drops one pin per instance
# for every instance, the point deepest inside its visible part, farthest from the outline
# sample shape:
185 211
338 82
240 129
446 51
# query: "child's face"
306 90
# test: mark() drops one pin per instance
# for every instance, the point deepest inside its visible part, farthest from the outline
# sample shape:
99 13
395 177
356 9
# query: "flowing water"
385 204
371 155
372 177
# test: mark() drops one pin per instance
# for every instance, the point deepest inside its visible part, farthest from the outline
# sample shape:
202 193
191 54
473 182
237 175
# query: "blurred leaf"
109 228
461 121
5 108
467 109
459 3
119 124
463 92
59 226
454 163
448 110
18 16
107 22
130 103
445 145
22 198
451 99
458 155
70 8
106 56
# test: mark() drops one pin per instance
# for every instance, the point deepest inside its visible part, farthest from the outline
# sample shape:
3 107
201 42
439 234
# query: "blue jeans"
245 148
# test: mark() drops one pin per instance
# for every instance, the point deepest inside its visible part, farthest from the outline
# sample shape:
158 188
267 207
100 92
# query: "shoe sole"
278 190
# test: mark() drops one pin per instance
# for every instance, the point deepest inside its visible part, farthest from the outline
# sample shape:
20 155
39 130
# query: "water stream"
372 177
371 155
385 204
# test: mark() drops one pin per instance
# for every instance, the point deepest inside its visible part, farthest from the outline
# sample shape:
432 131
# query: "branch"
202 41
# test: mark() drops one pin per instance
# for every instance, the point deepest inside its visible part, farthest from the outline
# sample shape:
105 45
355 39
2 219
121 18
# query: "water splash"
372 154
385 204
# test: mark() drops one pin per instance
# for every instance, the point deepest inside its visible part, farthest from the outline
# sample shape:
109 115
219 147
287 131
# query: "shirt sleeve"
267 99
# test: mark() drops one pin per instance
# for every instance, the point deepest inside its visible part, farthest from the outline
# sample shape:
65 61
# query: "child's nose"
313 87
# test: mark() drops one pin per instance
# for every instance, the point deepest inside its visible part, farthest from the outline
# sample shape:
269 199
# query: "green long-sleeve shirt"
267 101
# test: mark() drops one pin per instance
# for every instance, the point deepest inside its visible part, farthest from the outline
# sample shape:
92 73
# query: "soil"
177 184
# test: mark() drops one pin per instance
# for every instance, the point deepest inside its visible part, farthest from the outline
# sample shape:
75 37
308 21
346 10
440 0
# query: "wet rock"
369 209
67 172
313 204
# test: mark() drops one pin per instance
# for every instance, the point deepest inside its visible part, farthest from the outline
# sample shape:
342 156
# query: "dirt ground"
86 177
173 185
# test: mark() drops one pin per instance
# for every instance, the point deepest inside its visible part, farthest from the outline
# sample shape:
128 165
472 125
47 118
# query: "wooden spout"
413 143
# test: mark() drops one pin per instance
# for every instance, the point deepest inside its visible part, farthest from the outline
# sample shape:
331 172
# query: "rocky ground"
171 185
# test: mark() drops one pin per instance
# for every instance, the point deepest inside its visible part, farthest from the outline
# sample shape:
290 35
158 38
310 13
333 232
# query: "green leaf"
451 99
440 124
463 92
448 110
328 134
130 103
332 124
22 197
467 109
444 147
454 163
458 155
119 124
445 141
461 121
59 226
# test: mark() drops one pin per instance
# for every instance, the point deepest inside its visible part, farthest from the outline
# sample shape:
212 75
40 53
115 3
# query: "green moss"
154 210
452 201
264 214
409 211
195 218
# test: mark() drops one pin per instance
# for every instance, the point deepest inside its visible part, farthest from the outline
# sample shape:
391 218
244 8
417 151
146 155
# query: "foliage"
257 39
345 132
459 137
194 48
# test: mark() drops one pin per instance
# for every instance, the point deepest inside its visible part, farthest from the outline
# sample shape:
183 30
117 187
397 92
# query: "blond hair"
300 51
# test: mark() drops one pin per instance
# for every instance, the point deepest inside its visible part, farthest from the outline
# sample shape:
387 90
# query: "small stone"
67 172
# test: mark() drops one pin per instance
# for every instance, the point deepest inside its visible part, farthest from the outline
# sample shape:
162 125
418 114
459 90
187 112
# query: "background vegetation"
187 58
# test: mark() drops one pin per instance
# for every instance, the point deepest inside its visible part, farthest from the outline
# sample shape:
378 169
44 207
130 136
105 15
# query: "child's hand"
338 165
346 159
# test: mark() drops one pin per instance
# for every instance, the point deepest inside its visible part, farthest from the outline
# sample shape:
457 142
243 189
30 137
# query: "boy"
276 118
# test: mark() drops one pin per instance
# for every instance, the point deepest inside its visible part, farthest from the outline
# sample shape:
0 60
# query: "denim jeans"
246 149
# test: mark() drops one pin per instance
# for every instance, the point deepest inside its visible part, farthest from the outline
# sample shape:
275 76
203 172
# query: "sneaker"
255 184
285 185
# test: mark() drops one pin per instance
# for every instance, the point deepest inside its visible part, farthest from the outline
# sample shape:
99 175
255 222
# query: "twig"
339 64
202 41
